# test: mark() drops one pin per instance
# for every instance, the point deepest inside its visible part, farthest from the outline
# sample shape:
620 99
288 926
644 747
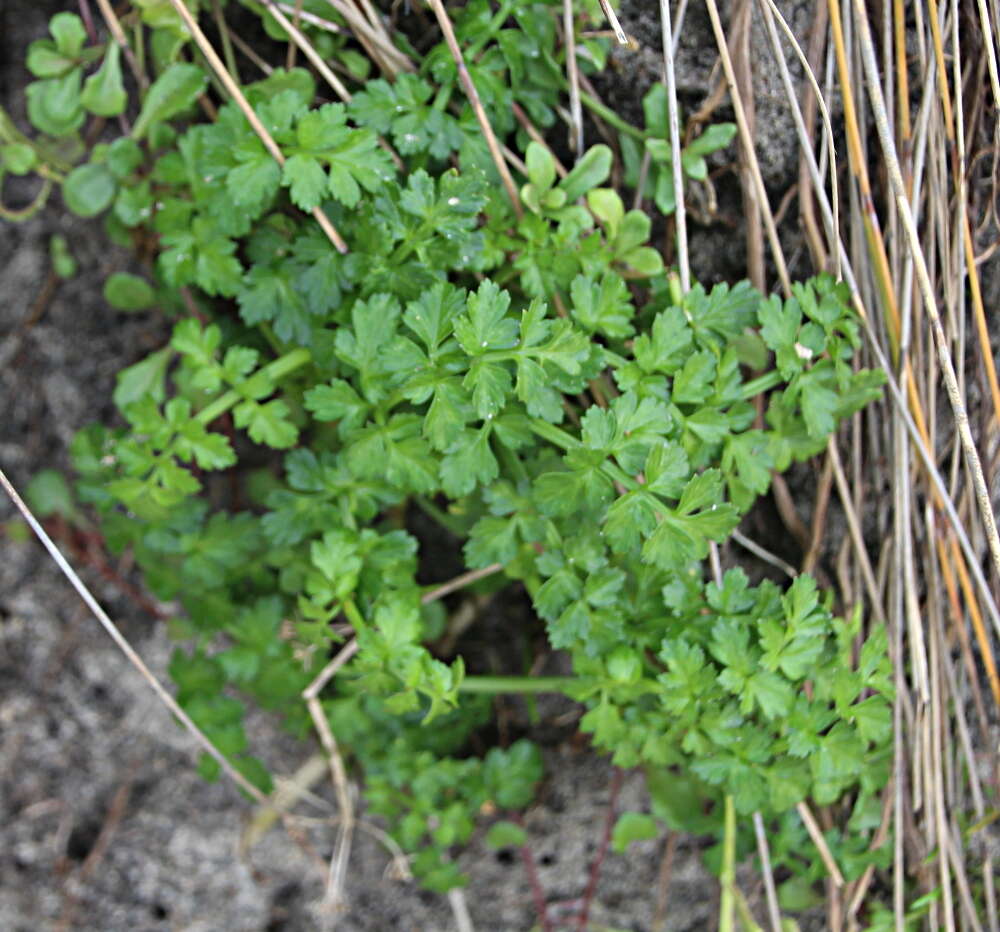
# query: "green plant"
536 384
654 147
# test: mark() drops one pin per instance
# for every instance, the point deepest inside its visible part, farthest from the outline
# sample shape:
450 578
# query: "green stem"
275 371
513 463
452 525
750 390
443 97
560 438
227 45
761 384
272 338
555 435
612 118
499 18
516 684
354 616
26 213
412 241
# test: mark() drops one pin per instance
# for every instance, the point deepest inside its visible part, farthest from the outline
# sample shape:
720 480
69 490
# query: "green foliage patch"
537 384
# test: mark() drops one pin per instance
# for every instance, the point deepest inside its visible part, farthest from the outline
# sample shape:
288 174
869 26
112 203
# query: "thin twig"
341 853
602 850
673 118
534 882
819 517
758 551
663 878
820 842
460 582
249 53
460 910
533 133
227 44
771 893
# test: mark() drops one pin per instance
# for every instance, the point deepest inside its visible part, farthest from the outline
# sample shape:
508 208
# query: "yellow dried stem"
859 169
978 626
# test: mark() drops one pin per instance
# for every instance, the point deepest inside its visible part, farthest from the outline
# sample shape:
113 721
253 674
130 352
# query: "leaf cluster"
536 383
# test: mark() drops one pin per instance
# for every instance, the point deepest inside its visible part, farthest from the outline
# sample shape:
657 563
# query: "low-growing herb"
537 384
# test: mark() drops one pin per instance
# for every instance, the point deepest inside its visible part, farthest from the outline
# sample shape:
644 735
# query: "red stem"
595 868
88 19
88 547
537 893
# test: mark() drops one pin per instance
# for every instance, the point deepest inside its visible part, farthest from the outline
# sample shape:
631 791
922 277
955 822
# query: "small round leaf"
54 104
18 158
170 94
632 826
89 189
63 263
67 29
506 835
44 60
124 157
125 292
49 494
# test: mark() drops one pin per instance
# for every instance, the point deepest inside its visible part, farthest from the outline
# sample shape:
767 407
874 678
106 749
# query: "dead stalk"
112 629
473 95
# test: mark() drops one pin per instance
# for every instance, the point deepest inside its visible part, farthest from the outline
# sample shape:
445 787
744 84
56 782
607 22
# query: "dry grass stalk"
573 79
932 177
123 645
770 891
337 875
930 303
812 827
477 106
746 140
298 40
373 38
673 122
612 19
118 34
740 30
